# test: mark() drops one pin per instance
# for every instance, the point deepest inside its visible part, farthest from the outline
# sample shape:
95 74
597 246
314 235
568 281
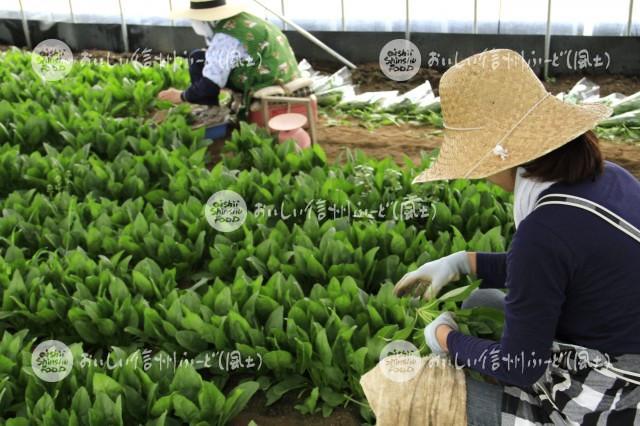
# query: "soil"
628 156
385 141
627 85
397 141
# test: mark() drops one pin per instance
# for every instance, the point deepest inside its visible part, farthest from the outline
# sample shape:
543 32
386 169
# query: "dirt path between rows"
396 141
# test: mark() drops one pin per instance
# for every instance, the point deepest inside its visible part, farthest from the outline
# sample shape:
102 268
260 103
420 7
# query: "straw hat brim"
213 14
469 154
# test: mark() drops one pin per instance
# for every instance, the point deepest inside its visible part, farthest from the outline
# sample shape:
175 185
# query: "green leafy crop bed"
104 246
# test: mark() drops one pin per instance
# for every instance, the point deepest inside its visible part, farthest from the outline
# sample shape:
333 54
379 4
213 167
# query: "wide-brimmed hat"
498 115
209 10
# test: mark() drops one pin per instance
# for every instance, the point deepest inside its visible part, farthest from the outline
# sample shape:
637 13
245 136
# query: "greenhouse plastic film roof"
568 17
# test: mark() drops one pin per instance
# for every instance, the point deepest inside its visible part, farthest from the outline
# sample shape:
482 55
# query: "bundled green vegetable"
629 103
629 118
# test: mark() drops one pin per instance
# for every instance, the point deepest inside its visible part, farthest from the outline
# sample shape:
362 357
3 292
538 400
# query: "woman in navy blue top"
572 272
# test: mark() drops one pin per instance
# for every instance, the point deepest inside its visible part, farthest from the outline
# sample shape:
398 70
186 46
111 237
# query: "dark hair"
573 162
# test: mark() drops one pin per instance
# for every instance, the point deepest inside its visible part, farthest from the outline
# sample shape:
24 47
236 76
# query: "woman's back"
602 304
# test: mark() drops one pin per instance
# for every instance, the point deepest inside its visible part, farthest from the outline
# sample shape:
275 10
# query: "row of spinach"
320 341
104 245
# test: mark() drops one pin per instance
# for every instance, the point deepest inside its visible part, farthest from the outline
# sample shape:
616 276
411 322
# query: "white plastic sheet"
626 109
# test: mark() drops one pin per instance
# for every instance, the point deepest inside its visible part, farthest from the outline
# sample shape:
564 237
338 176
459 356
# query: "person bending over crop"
570 349
244 53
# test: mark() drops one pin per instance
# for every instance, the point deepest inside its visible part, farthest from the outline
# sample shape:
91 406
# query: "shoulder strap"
595 208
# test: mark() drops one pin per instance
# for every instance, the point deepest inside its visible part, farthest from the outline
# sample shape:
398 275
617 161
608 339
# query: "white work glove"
437 274
430 337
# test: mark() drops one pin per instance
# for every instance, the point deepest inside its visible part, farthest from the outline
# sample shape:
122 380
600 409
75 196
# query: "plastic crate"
217 131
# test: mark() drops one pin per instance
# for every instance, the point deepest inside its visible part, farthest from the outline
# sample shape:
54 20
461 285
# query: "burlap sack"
437 395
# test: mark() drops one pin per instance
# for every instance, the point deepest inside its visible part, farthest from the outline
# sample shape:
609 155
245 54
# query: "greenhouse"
285 212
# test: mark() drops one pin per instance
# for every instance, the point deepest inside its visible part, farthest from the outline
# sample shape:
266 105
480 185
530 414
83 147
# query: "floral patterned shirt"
223 54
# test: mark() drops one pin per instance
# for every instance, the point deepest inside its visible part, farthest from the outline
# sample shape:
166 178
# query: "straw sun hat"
209 10
498 115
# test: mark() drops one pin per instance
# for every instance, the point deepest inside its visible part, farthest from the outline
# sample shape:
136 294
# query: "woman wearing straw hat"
570 350
244 53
